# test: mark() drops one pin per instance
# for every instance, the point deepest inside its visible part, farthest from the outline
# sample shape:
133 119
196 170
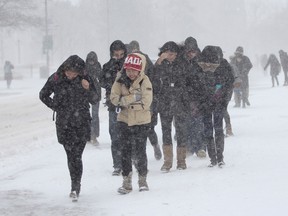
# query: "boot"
229 130
181 157
143 186
126 185
157 152
168 157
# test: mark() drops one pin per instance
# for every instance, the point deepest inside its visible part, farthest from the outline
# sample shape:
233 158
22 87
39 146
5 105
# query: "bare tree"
19 14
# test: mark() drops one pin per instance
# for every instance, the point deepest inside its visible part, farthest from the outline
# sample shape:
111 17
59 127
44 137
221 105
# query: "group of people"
187 86
275 67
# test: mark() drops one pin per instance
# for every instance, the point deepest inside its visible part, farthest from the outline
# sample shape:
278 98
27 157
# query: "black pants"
213 123
133 138
180 129
74 158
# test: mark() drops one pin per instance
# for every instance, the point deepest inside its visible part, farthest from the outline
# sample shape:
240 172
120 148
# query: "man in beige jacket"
132 95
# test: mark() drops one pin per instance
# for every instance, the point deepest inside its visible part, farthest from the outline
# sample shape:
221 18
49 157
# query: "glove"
218 93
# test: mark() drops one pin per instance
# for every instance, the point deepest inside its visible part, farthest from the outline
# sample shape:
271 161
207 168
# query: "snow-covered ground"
34 178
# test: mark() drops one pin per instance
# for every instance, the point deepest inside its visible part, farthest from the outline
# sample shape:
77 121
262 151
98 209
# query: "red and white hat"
133 62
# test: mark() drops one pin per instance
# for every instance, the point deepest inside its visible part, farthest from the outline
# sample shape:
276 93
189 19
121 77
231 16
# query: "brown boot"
181 158
168 157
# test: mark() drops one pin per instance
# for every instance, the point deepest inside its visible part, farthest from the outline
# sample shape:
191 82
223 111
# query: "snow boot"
168 157
181 158
126 185
157 152
143 186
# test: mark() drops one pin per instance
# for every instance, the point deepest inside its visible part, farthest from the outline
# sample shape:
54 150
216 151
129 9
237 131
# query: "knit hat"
133 62
169 46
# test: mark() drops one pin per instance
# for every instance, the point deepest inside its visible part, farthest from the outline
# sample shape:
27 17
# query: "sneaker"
212 164
116 172
157 152
201 153
74 196
94 142
221 164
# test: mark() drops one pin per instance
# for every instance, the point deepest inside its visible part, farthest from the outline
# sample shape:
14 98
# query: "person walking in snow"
217 80
107 77
8 75
284 62
132 94
189 56
275 68
173 103
93 68
73 92
149 71
243 65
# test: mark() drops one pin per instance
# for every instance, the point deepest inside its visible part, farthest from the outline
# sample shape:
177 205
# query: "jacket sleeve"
94 93
46 92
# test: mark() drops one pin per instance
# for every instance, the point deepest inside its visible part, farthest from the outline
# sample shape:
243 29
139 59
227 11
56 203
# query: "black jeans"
133 138
213 124
74 158
180 129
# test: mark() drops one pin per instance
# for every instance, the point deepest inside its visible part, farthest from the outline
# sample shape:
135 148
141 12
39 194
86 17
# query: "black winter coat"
170 88
71 104
217 86
108 76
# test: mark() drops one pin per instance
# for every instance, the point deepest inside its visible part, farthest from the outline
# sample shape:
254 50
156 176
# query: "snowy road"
34 179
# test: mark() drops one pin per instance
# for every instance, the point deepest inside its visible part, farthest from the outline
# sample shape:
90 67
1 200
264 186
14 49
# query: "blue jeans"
115 141
95 125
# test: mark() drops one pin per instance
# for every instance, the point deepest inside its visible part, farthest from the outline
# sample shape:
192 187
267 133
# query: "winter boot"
168 157
157 152
229 130
181 158
126 185
201 153
143 186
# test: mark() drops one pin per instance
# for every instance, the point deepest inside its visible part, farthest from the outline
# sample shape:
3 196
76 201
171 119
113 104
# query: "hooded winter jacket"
123 92
70 101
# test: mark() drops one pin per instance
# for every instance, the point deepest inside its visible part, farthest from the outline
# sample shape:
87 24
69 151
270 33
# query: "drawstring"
53 115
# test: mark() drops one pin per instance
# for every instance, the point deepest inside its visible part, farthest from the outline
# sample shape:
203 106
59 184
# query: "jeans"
95 125
115 141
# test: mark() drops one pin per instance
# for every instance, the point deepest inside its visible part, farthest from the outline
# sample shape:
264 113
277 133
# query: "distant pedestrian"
284 62
243 65
73 91
93 68
275 68
8 75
